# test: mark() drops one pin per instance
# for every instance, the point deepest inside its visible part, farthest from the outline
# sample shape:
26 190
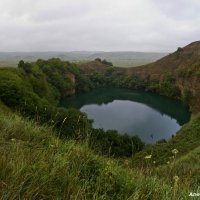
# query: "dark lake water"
150 116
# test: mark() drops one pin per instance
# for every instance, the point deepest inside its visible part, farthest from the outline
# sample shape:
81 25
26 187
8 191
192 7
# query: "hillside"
35 164
48 152
176 75
183 57
183 66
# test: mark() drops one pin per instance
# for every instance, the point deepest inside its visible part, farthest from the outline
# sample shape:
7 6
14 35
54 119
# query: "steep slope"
183 57
35 164
183 66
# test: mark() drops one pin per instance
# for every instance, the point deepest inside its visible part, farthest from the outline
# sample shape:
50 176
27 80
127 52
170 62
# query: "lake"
150 116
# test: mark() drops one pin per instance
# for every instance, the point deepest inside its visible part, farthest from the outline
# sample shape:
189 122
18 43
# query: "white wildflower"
148 156
174 151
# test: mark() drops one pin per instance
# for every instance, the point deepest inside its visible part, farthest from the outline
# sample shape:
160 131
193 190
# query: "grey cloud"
65 25
179 9
67 12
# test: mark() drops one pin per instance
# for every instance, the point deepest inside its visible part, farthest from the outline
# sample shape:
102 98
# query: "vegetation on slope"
35 164
185 167
33 90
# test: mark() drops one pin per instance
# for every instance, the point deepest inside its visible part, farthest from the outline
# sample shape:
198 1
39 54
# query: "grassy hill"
182 58
35 164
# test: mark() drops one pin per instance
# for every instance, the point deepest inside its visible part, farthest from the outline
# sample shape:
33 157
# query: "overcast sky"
108 25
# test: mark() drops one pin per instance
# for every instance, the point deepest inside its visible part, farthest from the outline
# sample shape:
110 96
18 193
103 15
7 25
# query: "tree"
98 59
21 64
106 62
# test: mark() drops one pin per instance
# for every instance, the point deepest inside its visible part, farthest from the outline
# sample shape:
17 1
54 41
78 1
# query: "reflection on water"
132 112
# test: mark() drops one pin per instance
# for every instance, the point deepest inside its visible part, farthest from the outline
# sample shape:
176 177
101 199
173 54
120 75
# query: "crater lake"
150 116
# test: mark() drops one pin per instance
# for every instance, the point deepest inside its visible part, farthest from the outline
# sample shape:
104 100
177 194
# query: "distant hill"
11 59
121 59
128 58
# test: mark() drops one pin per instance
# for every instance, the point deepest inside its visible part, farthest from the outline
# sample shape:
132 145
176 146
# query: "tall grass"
32 166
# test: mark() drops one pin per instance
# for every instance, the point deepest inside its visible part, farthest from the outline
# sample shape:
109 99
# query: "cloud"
65 25
179 9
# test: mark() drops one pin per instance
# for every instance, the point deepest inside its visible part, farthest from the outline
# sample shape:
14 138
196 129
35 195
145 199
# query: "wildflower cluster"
174 151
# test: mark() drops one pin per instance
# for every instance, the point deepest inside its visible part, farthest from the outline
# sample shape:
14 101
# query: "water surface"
150 116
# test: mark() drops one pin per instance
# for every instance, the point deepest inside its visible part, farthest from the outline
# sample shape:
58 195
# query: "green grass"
8 63
186 167
35 164
131 62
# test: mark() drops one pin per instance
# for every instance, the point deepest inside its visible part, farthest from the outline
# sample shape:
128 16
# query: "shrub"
187 96
112 143
105 62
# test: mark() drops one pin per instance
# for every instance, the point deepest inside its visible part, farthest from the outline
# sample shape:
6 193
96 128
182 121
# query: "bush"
105 62
187 96
112 143
72 123
98 59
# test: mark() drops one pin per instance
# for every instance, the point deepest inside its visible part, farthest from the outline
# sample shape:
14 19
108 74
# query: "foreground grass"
187 168
34 164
